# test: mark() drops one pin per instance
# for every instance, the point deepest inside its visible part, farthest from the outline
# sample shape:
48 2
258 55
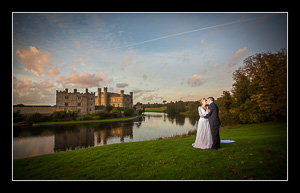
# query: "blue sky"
158 56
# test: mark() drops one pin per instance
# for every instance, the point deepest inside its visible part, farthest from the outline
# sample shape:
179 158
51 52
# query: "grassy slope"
260 153
159 109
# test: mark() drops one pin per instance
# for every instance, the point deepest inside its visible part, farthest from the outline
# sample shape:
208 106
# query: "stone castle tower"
117 100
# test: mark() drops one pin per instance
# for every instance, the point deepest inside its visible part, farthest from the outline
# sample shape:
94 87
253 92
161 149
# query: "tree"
260 87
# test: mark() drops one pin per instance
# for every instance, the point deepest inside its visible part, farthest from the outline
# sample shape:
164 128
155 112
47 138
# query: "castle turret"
98 98
122 98
131 95
105 96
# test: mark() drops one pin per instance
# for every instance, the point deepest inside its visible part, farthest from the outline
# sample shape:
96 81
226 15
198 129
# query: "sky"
157 56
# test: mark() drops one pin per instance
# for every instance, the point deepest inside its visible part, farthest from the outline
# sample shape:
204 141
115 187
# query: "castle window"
78 97
66 104
66 97
91 99
79 104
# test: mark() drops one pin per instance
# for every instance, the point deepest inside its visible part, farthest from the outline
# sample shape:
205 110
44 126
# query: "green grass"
86 121
260 153
159 109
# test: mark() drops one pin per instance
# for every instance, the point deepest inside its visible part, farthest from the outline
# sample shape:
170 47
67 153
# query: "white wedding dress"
203 137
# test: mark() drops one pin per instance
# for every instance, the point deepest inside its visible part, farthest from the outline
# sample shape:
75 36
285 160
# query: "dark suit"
214 122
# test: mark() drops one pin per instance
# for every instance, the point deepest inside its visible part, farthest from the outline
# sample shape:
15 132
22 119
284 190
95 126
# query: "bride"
203 138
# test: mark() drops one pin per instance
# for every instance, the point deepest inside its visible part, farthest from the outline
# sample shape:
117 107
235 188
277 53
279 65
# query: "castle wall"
82 102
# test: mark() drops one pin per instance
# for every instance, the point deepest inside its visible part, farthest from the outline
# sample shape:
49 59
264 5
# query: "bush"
35 117
17 116
103 114
109 108
67 119
87 117
79 119
115 112
58 115
96 117
128 112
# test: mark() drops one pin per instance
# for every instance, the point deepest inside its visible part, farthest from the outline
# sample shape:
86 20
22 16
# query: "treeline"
259 92
187 108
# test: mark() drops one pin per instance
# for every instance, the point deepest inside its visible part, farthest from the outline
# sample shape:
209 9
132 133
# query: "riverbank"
260 153
86 121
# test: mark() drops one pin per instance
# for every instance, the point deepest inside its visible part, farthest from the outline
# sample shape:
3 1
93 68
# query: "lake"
47 139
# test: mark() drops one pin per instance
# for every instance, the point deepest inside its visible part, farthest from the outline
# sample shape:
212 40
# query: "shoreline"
86 121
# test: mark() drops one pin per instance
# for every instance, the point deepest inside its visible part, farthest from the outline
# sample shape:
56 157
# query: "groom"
214 122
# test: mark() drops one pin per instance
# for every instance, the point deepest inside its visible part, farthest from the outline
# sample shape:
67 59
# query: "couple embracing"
208 125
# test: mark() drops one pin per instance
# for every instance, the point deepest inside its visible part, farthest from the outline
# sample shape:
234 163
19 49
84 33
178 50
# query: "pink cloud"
240 53
53 72
85 79
126 61
35 61
196 80
28 92
236 58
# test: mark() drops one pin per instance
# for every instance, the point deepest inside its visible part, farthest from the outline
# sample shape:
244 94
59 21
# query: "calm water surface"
34 141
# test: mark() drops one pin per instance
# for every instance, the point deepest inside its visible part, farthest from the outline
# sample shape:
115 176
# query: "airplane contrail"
181 33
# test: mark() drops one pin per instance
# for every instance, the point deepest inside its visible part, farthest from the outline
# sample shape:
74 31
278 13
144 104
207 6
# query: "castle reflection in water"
83 136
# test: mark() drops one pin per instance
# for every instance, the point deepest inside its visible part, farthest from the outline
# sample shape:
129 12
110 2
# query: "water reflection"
33 141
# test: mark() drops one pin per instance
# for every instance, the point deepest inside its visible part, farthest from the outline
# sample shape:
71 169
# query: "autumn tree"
260 87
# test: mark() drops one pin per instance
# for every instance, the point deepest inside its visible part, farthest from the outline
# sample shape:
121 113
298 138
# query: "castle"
87 102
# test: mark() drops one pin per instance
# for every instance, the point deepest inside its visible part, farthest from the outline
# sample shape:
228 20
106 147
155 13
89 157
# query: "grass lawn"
86 121
159 109
260 153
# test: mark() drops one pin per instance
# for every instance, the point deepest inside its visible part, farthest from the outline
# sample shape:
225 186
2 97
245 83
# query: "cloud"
127 59
53 72
236 58
121 85
240 53
196 80
83 61
153 96
139 93
27 91
203 42
35 61
85 79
